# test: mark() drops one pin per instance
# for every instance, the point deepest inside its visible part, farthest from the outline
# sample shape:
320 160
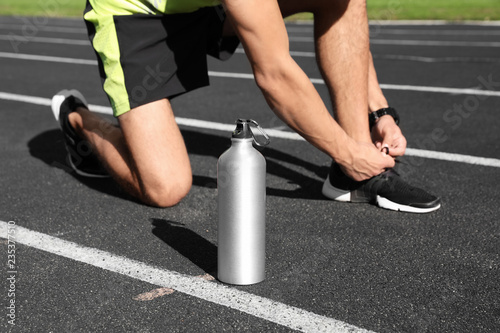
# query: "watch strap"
375 115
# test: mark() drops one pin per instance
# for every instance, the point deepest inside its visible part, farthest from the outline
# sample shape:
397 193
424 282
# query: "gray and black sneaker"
80 157
387 190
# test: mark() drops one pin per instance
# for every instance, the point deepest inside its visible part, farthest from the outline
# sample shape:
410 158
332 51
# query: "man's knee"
167 192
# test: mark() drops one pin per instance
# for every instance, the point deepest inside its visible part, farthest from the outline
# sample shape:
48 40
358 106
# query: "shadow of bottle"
189 244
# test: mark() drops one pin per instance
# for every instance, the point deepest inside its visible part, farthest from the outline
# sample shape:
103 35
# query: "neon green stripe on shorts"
105 43
127 7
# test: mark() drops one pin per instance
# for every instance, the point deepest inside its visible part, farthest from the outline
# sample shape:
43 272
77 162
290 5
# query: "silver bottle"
241 184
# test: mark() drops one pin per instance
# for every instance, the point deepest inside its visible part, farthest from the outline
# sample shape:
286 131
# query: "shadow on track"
189 244
49 147
204 144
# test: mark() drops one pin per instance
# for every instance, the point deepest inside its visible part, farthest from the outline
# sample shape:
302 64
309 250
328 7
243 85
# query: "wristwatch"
373 116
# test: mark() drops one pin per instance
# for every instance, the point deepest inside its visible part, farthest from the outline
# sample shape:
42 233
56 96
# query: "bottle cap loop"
244 130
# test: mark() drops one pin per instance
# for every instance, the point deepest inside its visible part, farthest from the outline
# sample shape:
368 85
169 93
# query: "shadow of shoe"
49 148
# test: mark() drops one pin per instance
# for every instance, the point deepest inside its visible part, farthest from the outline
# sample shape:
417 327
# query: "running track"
90 259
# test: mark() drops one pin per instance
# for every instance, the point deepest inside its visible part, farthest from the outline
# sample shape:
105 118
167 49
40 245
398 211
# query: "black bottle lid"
242 130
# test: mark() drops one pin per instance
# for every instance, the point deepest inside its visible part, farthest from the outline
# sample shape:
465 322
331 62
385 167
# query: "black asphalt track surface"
378 270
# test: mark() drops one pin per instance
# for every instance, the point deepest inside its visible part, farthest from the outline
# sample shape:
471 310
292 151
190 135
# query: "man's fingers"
385 149
389 160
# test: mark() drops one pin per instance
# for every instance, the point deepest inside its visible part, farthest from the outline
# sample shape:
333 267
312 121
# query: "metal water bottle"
241 184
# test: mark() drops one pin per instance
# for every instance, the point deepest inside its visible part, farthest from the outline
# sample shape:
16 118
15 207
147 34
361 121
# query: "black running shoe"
387 190
80 156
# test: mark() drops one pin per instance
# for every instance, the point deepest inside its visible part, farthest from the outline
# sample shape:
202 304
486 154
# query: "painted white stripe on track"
297 28
404 23
469 159
261 307
465 91
458 91
37 57
376 30
412 42
33 28
248 76
476 160
306 54
433 43
431 23
13 38
435 59
231 75
434 32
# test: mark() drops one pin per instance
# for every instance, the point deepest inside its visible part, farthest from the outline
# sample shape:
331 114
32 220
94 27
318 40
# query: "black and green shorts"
150 49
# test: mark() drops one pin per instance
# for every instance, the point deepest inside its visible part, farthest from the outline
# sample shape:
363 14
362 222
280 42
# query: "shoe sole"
56 102
388 204
59 98
334 193
345 196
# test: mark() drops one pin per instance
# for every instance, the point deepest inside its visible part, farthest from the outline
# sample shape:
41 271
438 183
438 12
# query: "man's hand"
365 161
387 133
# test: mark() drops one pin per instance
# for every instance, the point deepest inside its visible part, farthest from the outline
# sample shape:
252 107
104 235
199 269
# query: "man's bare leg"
342 51
146 155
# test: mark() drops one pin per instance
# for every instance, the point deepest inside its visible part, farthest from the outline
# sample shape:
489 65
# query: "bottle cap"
243 131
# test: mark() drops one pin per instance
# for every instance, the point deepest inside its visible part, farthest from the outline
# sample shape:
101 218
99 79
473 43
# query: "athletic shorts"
146 55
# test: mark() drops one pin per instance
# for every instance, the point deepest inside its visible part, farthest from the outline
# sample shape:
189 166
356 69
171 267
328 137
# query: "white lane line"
14 38
309 25
231 75
18 39
261 307
433 43
306 54
458 91
409 23
36 57
465 91
275 133
411 42
377 29
431 23
300 28
24 56
34 28
469 159
431 32
25 99
434 59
